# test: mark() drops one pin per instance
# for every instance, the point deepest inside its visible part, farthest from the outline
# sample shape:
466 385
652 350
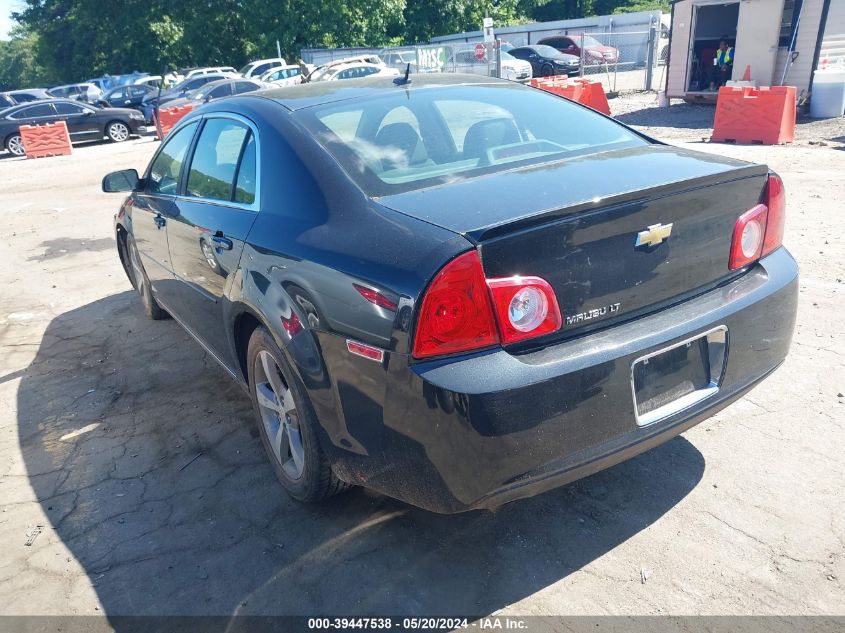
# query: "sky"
6 7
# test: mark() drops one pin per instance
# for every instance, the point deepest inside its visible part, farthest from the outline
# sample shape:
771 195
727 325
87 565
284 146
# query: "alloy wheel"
15 146
279 415
118 132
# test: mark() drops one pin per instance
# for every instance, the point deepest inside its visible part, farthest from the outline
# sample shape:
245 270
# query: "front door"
80 120
212 220
153 209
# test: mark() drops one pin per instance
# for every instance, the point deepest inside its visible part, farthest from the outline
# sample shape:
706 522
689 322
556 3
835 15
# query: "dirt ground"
132 478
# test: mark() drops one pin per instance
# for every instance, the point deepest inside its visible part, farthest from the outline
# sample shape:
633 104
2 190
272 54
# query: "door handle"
222 242
160 221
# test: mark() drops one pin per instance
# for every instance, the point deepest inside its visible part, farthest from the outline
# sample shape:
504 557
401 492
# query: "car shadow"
144 457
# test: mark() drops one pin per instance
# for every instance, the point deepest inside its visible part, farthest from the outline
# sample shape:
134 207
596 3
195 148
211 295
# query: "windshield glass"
591 41
420 138
548 51
243 70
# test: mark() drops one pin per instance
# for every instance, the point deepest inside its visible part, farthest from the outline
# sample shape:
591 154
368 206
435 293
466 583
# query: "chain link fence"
621 61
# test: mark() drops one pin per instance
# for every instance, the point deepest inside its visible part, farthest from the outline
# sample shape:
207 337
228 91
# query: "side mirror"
121 181
206 99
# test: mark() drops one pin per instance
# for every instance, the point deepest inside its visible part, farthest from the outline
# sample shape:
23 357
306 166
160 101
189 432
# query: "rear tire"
287 423
15 145
142 283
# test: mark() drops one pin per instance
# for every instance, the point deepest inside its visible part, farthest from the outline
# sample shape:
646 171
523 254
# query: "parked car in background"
317 73
84 122
217 90
547 61
6 101
150 80
29 94
259 67
180 90
594 51
514 319
126 96
356 70
465 61
209 70
400 60
290 75
87 92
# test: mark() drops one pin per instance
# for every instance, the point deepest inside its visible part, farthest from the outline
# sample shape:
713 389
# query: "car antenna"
401 81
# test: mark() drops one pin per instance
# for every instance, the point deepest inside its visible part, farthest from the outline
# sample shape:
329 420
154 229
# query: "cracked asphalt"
132 477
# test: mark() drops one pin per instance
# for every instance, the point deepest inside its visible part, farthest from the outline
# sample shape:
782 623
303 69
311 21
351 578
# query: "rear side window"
245 188
419 138
36 111
215 163
165 170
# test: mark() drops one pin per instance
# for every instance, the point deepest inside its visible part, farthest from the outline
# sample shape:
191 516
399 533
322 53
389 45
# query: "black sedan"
547 61
84 122
433 289
126 96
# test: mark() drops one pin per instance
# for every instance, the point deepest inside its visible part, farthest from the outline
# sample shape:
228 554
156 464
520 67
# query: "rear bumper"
482 430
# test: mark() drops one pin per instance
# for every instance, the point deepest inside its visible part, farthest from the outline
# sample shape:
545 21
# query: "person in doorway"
723 64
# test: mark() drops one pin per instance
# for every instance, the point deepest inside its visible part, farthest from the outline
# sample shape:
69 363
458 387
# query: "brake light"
463 311
526 307
759 231
776 202
456 314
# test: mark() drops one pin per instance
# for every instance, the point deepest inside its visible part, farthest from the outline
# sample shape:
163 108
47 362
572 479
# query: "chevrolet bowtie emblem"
653 235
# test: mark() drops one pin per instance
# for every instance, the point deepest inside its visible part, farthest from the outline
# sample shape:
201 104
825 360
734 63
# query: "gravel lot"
132 478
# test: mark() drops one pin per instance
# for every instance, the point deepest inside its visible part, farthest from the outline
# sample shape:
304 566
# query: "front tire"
547 70
117 131
287 423
15 145
142 283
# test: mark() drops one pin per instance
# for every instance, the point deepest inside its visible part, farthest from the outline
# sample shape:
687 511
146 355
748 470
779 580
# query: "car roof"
322 92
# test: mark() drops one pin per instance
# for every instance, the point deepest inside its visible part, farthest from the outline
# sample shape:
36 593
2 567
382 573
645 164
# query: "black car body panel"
482 428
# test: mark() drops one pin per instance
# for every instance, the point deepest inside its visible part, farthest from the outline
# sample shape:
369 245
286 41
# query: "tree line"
62 41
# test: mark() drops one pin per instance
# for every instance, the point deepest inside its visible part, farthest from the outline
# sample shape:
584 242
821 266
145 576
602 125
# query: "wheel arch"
120 235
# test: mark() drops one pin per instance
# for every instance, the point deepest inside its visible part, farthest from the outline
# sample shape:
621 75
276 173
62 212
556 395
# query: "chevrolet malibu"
433 289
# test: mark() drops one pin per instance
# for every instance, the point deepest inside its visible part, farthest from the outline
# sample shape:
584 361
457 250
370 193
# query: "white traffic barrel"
827 96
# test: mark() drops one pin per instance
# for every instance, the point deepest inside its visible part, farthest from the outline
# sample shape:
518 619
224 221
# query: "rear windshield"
413 139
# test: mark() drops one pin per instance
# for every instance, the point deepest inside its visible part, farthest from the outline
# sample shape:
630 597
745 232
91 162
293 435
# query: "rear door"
153 210
212 220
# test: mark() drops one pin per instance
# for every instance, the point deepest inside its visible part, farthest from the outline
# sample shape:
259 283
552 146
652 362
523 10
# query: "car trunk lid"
616 235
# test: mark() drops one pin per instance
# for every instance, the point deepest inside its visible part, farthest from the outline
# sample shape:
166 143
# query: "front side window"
165 170
69 108
420 138
215 163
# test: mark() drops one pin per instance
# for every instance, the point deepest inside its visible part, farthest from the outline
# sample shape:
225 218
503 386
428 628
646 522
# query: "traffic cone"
747 75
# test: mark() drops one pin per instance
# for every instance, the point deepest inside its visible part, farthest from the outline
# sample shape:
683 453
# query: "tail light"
776 202
456 315
463 311
759 231
525 307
